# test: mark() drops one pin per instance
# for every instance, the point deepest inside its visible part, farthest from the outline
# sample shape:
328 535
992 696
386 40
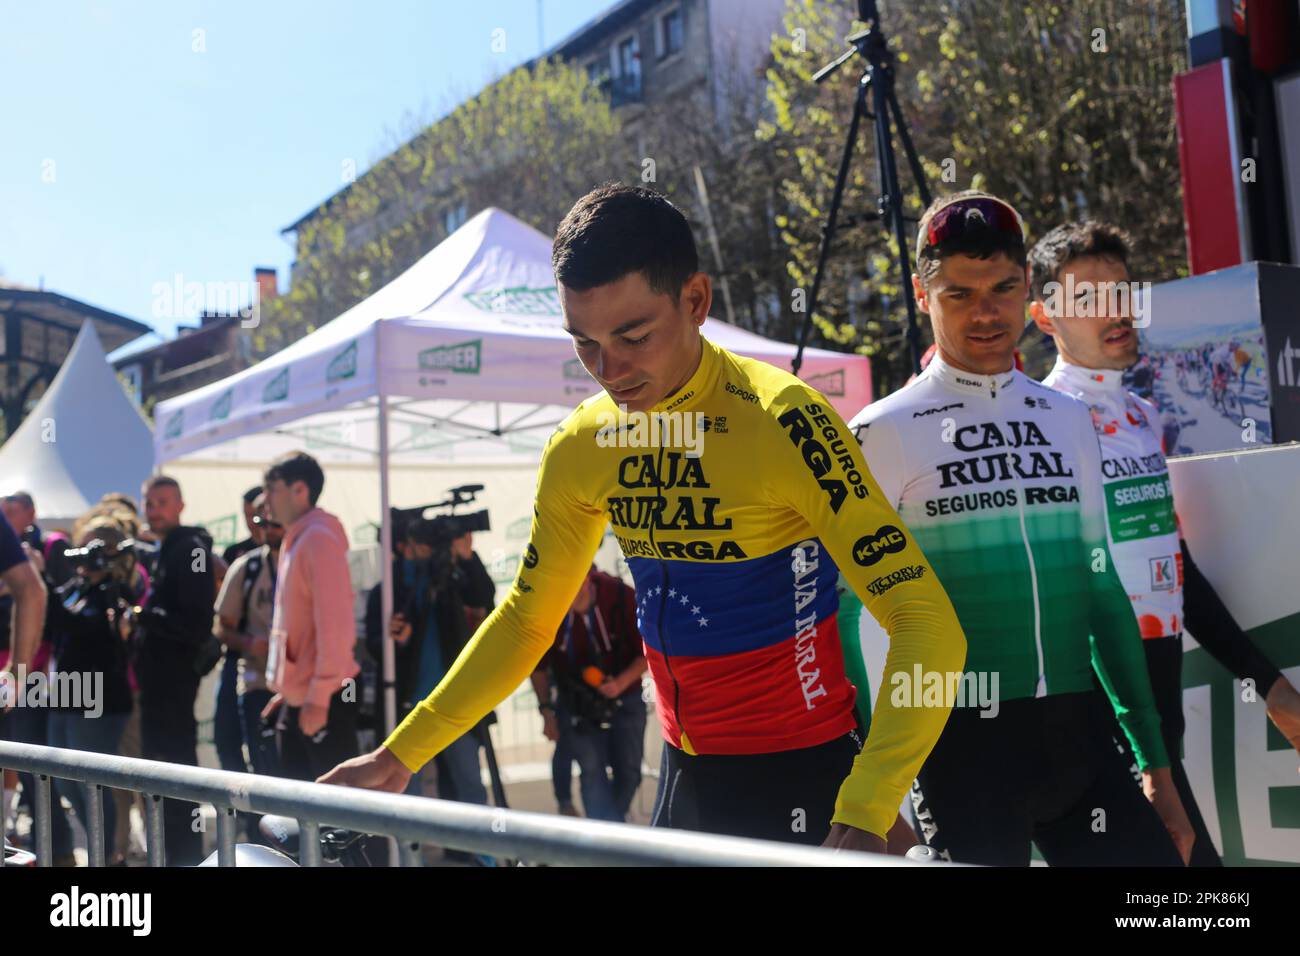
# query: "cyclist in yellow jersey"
738 496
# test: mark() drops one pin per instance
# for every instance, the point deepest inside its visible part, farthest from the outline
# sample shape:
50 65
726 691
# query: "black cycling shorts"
787 796
1044 770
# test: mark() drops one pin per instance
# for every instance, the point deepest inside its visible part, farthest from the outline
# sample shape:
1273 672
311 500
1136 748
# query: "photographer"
596 663
88 627
429 628
122 508
174 652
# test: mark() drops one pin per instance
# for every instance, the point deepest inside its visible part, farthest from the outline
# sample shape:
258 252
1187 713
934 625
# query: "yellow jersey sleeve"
831 486
507 646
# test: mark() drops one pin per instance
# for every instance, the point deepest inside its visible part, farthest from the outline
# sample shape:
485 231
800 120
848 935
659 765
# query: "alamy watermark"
76 908
921 688
63 690
1073 299
181 299
626 429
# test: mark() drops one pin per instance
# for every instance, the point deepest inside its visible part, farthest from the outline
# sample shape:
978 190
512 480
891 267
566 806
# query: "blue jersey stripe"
713 609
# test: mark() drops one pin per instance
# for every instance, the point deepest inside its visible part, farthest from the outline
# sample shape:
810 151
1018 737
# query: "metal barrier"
411 820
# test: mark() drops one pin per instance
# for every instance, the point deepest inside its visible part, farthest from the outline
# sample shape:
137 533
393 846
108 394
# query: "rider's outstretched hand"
378 770
844 837
1158 785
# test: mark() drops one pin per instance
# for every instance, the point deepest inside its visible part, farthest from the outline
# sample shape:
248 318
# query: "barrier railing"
411 820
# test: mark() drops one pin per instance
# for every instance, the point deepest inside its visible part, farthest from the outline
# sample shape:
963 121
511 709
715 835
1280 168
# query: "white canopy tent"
461 361
83 439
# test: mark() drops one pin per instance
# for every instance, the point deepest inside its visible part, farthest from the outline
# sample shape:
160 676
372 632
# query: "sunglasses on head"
981 213
266 522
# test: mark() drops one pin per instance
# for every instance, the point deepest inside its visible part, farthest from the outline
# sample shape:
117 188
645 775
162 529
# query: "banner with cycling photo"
1208 358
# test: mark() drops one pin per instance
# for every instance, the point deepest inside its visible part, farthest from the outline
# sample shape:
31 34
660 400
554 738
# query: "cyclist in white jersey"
1166 589
999 479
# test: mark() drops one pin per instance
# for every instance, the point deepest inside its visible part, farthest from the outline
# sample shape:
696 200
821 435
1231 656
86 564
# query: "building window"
131 376
668 38
453 217
629 61
598 72
626 85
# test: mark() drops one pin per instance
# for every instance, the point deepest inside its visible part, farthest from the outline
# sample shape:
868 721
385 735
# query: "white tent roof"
468 346
83 439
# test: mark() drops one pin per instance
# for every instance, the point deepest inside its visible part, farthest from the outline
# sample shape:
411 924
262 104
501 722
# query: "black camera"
439 530
591 709
99 555
96 557
426 525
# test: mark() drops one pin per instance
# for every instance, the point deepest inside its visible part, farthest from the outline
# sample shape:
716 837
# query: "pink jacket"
313 631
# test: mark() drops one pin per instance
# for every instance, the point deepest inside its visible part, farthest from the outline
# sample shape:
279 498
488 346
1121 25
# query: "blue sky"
133 148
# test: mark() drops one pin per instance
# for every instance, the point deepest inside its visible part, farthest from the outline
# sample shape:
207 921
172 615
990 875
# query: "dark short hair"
297 466
1074 240
978 243
162 481
251 494
616 230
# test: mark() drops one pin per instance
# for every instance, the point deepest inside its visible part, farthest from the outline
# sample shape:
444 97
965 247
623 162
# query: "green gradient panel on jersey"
1140 508
983 565
855 664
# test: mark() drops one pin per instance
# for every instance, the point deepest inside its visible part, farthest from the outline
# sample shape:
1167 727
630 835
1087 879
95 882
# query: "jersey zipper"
663 589
1040 689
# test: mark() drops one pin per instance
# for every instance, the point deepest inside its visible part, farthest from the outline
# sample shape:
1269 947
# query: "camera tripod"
877 79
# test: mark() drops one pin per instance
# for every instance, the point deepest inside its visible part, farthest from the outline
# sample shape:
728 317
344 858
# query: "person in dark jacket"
175 624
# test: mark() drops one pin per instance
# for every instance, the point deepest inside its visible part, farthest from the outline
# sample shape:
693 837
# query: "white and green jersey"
1140 522
999 480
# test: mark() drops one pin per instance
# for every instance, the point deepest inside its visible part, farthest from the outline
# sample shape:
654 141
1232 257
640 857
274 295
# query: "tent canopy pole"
385 550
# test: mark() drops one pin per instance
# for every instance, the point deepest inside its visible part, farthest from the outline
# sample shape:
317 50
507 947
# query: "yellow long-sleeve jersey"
736 501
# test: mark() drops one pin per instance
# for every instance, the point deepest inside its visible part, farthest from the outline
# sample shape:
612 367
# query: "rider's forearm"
924 633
